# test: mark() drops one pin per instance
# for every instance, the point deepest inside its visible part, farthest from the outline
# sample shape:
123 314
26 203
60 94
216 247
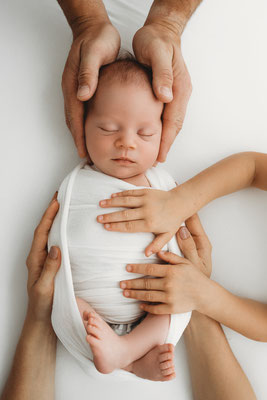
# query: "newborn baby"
123 132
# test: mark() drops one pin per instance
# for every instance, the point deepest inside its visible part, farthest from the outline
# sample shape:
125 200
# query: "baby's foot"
84 309
110 350
156 365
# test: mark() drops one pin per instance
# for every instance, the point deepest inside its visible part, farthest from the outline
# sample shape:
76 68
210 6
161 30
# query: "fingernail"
100 218
126 293
149 253
184 233
114 195
123 285
53 253
103 202
107 226
167 92
83 91
129 268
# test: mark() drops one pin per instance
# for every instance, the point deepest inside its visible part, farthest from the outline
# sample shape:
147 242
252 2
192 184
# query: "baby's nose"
127 140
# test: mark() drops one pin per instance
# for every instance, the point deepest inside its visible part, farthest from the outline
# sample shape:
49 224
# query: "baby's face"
123 130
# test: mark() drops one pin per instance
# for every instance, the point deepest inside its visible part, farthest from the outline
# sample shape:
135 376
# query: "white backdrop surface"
224 46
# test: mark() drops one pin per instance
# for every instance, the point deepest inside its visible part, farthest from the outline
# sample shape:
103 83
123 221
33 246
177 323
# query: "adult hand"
93 45
42 268
179 286
158 45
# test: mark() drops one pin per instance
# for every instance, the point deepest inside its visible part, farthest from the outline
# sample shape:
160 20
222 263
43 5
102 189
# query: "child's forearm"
33 371
248 317
227 176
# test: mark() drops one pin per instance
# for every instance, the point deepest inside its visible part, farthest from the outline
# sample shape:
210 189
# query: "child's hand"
181 286
147 210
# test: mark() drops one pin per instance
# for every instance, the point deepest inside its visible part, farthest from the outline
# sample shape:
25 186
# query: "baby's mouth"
123 160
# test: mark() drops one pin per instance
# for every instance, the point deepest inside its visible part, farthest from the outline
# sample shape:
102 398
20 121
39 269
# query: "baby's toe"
169 377
165 357
94 331
166 365
168 371
93 341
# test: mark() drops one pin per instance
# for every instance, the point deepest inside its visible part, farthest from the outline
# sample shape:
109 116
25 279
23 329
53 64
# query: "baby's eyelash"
105 130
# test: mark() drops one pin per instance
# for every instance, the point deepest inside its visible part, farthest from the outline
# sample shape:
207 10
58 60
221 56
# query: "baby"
123 132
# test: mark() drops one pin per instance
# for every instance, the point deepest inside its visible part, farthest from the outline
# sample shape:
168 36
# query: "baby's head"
123 120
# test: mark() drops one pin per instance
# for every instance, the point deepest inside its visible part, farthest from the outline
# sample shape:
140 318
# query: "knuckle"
125 214
166 75
128 226
147 284
149 296
150 269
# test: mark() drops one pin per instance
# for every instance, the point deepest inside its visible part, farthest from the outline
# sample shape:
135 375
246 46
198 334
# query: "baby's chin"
122 172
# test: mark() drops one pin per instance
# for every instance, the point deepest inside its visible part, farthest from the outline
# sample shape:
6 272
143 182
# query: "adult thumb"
51 266
187 245
162 76
87 77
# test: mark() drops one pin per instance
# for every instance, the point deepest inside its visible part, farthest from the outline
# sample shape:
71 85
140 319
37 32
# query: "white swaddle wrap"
94 259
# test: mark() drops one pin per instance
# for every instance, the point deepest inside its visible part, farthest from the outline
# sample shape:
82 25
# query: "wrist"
86 23
184 201
169 14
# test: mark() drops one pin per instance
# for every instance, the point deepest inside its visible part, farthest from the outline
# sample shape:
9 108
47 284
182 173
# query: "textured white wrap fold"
94 260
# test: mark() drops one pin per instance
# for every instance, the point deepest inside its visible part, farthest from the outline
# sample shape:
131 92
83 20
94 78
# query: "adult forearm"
32 374
246 316
215 372
83 12
175 13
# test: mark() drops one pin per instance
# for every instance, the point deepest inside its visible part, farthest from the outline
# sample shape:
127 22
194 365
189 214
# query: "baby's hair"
126 69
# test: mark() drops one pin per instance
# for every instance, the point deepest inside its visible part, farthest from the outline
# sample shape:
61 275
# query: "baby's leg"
112 351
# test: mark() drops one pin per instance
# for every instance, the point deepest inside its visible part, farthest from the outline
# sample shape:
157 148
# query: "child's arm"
184 285
163 212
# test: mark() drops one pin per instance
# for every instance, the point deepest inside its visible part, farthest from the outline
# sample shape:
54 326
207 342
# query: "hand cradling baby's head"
123 120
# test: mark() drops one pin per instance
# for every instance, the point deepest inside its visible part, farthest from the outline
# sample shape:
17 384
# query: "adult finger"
159 242
174 112
197 231
74 109
143 283
143 295
148 269
187 245
125 201
161 63
202 242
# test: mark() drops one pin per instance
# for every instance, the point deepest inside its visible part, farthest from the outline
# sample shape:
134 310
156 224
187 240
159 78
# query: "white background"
224 46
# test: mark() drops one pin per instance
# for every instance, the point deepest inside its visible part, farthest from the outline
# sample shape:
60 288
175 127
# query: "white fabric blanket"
94 260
